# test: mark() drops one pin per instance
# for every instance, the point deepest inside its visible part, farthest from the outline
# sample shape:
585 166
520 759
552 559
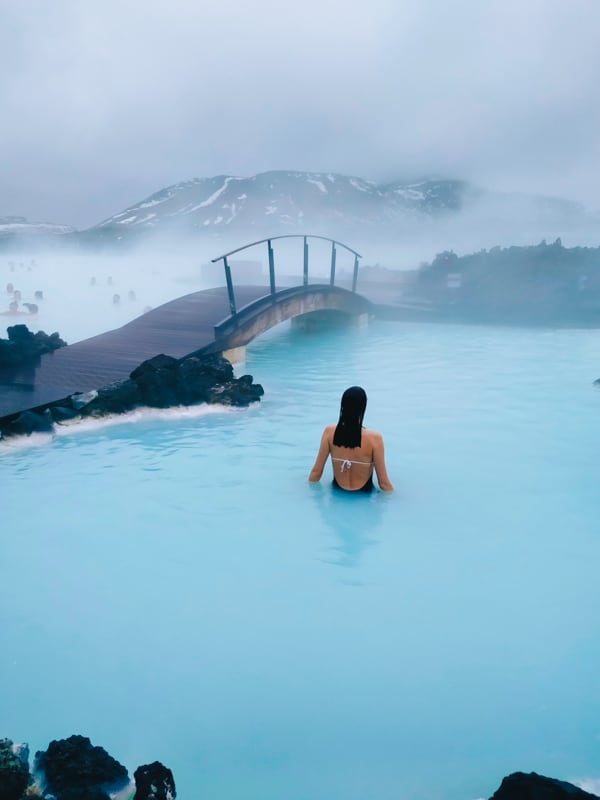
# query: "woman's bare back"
353 466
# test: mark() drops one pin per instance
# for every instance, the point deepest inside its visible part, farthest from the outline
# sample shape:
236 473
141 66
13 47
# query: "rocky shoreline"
159 382
23 346
74 769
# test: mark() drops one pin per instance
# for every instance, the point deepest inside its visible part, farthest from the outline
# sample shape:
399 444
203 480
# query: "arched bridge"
213 320
245 323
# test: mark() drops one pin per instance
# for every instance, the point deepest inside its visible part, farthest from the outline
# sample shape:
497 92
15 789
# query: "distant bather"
116 299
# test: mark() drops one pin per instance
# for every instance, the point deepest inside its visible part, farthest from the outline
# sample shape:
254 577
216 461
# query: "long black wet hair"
352 411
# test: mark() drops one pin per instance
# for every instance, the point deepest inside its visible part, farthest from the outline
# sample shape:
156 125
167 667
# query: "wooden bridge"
211 321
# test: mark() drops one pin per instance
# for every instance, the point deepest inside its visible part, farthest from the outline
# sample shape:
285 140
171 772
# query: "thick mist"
87 294
90 289
105 104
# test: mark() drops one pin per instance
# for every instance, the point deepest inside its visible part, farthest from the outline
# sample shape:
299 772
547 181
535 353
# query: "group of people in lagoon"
355 451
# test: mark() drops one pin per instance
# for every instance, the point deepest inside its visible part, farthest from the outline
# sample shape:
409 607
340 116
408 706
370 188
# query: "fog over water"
79 291
85 294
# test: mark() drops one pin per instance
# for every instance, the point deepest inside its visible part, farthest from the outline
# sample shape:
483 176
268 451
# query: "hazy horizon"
107 105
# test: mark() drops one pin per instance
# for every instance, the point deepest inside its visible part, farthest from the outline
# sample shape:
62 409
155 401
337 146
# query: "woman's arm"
379 464
321 460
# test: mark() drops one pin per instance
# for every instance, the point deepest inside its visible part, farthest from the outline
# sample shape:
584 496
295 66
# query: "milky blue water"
175 589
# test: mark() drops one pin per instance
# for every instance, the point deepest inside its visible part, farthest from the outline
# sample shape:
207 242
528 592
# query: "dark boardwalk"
176 328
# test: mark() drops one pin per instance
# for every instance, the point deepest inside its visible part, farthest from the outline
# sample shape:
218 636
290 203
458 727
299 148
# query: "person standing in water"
355 451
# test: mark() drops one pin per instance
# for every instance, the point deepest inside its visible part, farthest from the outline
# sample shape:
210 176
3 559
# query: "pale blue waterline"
175 590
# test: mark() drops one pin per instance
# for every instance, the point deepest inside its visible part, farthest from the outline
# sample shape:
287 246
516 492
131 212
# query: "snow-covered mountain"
451 213
19 226
294 201
330 204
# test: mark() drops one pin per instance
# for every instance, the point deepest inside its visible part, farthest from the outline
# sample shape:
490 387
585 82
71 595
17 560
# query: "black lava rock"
29 422
84 793
154 782
114 398
23 346
156 379
164 381
159 382
14 772
72 768
62 414
531 786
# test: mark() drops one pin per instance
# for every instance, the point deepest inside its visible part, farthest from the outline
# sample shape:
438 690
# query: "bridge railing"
271 255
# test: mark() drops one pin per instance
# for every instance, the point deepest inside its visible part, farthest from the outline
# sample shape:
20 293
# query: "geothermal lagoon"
173 588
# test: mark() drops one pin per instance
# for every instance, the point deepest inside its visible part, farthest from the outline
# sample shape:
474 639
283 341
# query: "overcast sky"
104 103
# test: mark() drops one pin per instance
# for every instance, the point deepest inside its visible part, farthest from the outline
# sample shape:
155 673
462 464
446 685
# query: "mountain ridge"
289 200
325 203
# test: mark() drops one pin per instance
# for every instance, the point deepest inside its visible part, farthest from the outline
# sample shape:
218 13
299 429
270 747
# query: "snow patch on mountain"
319 184
357 185
210 200
151 203
22 226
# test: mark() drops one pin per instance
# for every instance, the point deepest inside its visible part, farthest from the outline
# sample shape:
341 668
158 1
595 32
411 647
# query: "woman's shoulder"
329 430
373 436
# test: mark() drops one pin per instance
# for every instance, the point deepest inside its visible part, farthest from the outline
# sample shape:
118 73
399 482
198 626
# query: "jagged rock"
114 398
197 377
83 793
73 769
159 382
81 399
154 782
156 379
243 391
30 422
47 344
14 770
531 786
164 381
22 345
19 334
63 415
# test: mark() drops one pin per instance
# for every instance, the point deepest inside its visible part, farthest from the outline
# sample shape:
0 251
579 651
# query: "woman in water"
354 450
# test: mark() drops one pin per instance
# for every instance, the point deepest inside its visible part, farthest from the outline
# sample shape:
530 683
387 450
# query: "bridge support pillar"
236 355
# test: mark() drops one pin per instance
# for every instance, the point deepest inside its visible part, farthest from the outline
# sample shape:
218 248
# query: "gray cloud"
106 103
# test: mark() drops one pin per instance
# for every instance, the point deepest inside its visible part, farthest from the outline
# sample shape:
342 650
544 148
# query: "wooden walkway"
177 329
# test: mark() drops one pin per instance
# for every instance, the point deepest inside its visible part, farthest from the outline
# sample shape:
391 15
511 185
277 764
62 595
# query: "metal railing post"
269 241
355 274
305 271
332 275
229 287
271 267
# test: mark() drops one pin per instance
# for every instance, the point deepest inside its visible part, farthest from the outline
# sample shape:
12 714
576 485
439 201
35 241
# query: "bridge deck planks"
176 328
